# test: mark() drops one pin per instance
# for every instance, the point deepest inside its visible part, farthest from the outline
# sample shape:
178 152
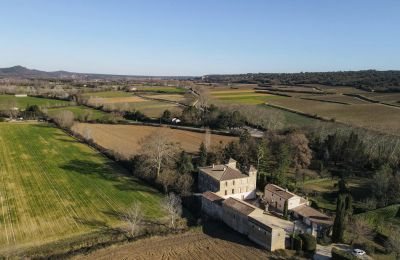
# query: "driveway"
325 252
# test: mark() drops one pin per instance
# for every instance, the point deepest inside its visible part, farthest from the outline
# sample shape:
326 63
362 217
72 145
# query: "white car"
358 252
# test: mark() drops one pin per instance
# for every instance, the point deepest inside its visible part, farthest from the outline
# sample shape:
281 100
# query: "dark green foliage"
265 162
213 117
309 242
342 255
285 210
297 243
385 81
343 211
283 164
184 164
166 116
136 115
202 155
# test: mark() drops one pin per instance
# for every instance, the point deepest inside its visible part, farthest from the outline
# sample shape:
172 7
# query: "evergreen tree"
343 211
265 161
166 116
184 164
285 210
202 155
283 163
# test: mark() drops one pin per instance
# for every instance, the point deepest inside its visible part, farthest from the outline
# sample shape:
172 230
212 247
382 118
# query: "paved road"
325 252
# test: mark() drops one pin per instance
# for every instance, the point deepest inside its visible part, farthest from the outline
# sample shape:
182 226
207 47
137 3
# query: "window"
233 182
233 191
226 183
226 192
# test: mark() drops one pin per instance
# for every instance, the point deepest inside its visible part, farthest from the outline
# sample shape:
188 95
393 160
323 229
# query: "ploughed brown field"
125 139
190 245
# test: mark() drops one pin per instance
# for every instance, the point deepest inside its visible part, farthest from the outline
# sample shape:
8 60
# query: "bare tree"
301 152
159 149
64 119
359 228
134 218
184 184
167 178
87 133
172 204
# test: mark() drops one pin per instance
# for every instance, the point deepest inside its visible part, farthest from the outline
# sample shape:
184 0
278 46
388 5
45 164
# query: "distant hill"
23 72
370 80
20 71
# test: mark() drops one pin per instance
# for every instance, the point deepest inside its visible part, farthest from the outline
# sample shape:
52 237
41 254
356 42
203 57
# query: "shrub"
297 243
309 242
342 255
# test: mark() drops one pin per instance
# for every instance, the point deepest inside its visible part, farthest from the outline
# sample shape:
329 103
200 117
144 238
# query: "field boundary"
326 101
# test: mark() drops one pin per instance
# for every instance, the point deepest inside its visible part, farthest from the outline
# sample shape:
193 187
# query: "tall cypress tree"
283 163
343 210
265 161
202 155
286 210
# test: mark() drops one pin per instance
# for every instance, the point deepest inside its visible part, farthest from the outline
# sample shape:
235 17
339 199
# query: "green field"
162 89
23 102
53 187
80 111
293 119
382 219
248 97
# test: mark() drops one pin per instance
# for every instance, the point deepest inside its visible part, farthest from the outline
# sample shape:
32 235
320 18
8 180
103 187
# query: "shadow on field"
100 225
219 230
108 171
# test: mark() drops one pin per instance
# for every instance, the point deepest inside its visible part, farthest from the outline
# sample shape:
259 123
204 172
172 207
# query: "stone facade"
265 230
227 181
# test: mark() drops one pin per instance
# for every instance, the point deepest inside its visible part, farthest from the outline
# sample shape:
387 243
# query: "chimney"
213 166
286 190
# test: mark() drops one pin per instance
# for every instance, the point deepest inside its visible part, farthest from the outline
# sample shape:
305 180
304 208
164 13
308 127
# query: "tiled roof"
281 192
239 206
211 196
313 214
222 172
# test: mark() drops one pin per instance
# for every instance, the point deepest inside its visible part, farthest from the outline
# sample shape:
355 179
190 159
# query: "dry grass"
371 116
122 100
125 139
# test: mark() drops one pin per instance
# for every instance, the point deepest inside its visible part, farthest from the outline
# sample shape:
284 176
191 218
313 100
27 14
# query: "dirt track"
190 245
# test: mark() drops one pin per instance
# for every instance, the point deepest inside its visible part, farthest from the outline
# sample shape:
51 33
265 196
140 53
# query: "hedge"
342 255
309 242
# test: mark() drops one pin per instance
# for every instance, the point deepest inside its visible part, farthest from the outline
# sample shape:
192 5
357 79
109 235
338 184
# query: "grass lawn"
79 111
382 218
324 191
23 102
53 187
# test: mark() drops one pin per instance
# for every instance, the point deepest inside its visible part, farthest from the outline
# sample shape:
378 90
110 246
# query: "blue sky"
193 37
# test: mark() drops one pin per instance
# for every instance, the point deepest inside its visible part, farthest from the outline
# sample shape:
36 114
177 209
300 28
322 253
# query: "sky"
198 37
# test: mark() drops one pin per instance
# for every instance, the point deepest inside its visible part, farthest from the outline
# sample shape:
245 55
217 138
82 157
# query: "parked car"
358 252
